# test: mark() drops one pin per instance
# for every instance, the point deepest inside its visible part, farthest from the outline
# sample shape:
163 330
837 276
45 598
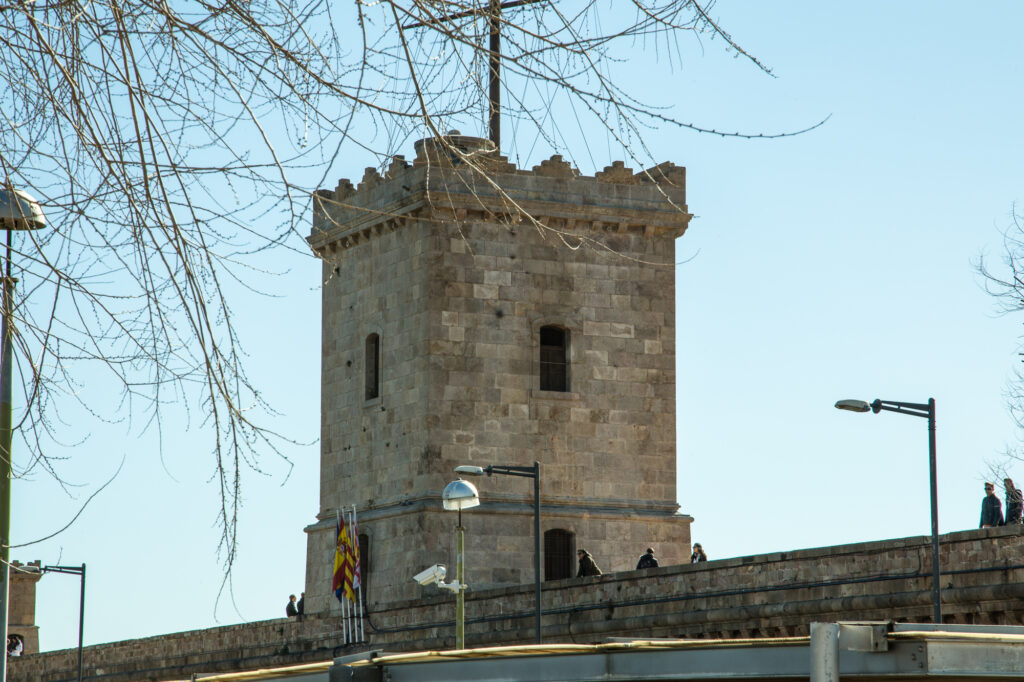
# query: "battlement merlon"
554 193
32 571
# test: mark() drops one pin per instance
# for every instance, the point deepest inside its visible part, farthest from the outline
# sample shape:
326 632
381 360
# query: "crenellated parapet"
460 178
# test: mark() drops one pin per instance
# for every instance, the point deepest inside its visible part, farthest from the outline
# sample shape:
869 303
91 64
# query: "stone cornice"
611 509
483 186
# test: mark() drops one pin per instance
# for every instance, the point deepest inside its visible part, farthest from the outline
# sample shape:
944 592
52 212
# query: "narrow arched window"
558 554
15 645
554 358
372 361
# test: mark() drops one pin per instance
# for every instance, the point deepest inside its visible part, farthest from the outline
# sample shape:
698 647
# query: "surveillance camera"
434 574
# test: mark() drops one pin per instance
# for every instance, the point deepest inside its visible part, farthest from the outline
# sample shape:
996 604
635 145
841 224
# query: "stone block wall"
766 595
21 616
458 277
611 436
375 453
377 286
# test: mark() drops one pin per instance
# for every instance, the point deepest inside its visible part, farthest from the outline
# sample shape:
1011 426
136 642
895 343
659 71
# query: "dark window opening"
364 566
558 554
372 366
15 645
554 359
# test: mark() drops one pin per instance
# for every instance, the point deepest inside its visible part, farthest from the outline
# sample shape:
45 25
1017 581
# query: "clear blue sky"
835 264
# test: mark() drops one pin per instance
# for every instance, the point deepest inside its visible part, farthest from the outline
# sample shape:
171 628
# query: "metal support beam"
824 652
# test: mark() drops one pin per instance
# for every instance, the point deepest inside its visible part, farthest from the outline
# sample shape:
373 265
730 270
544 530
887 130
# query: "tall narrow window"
372 366
554 359
558 554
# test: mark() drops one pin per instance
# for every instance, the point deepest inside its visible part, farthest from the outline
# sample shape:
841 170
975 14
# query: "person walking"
647 560
587 564
1014 502
698 554
991 508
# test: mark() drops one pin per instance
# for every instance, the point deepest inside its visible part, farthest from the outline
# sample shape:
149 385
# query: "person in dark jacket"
290 610
587 564
647 560
1014 502
991 508
698 554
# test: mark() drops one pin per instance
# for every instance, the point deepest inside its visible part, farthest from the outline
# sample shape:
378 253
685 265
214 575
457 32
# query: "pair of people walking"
295 608
648 560
992 508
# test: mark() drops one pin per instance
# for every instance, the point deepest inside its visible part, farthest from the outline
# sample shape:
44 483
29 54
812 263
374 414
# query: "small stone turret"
22 613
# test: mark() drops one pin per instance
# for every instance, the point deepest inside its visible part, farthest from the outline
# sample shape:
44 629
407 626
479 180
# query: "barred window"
554 358
372 361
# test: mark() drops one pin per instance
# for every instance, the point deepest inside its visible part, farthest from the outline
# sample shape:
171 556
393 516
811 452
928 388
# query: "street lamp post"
526 472
18 211
926 410
70 570
459 495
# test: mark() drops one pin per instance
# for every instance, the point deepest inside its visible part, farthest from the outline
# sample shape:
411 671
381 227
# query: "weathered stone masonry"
456 278
22 612
766 595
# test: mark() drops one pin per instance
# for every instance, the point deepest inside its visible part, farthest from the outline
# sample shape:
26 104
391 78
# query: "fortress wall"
763 595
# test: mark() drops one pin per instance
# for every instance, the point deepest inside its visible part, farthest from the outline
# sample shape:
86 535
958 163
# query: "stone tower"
463 324
22 613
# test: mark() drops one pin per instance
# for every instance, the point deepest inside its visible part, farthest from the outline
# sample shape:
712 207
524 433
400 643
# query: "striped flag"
344 564
357 573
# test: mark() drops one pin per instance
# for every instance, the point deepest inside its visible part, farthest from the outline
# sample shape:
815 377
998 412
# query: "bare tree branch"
171 142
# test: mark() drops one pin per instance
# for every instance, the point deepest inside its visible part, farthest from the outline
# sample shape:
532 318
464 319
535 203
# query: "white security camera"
434 574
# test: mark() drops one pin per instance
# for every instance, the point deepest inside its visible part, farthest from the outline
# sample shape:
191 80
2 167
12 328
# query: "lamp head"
459 495
19 211
853 405
469 470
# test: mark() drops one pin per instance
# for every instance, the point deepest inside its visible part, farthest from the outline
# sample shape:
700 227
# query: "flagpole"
344 617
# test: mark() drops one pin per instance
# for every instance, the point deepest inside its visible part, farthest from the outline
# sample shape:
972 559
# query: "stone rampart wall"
763 595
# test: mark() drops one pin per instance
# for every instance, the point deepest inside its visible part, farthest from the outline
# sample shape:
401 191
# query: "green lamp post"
459 495
18 211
